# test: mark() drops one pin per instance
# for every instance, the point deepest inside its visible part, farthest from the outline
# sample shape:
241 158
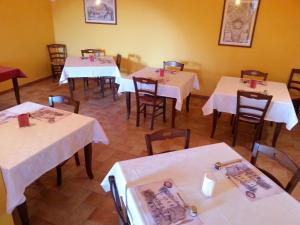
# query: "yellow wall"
26 28
187 31
4 218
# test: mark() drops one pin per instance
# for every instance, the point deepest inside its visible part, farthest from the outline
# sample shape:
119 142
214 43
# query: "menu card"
251 182
162 204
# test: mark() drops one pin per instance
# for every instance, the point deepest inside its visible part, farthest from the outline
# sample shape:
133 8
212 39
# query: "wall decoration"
100 11
238 22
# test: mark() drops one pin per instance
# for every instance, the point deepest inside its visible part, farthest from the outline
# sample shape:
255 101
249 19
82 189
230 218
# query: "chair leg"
77 159
58 175
232 119
235 132
138 115
164 109
152 118
145 111
188 98
102 81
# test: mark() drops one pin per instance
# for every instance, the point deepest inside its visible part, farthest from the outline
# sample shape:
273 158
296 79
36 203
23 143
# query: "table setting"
207 190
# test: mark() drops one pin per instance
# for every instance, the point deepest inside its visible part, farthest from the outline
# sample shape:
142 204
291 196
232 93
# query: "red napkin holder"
23 120
253 83
92 58
161 72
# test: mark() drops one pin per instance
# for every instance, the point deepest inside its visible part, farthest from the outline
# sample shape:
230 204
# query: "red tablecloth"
7 73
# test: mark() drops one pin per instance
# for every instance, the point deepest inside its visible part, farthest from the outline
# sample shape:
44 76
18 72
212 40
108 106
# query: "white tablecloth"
176 85
224 99
186 168
29 152
75 67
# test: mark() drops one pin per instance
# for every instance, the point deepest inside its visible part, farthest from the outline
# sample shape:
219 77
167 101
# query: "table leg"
16 89
70 83
187 103
276 133
88 160
22 210
114 85
214 125
174 100
128 104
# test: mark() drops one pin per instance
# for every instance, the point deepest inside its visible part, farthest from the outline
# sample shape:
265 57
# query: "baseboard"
27 84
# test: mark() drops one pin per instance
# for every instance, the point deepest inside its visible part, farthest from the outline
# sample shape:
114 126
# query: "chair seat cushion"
149 100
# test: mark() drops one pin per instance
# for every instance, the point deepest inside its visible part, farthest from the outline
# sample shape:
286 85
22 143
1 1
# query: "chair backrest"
165 134
252 105
118 61
121 210
254 73
174 64
294 80
282 158
90 51
64 100
145 88
57 52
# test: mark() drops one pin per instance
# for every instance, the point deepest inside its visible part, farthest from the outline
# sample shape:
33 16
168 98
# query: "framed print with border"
100 11
238 22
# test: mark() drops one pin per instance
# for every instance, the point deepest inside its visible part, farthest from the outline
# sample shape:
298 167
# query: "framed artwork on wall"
100 11
238 22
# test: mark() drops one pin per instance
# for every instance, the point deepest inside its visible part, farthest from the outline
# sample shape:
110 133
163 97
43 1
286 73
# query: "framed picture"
238 22
100 11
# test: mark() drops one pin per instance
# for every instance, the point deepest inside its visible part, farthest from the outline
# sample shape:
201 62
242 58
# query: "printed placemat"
251 182
163 205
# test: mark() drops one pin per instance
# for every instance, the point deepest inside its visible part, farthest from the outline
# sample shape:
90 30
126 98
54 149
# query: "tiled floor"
80 201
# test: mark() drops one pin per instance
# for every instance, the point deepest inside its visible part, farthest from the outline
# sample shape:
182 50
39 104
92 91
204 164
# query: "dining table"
28 152
176 85
8 73
85 67
224 99
161 189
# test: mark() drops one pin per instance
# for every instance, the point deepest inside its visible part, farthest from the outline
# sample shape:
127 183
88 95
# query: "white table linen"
186 168
175 85
27 153
224 98
75 67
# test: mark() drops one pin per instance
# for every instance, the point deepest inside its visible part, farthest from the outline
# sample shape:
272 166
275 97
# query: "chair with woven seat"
118 202
294 88
177 66
97 53
283 159
166 134
53 100
58 55
251 108
146 96
254 73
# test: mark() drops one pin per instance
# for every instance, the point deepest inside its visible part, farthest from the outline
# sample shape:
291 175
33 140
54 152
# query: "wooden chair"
294 88
254 73
67 101
97 53
58 55
249 113
173 64
165 134
146 96
180 67
119 205
283 159
113 79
